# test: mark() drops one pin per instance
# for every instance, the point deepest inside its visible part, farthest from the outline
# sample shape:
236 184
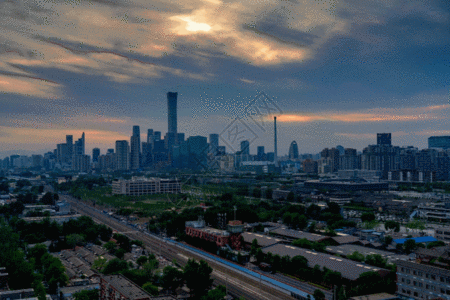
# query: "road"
237 283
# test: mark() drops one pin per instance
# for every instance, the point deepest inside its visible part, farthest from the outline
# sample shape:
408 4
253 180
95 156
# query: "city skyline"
339 72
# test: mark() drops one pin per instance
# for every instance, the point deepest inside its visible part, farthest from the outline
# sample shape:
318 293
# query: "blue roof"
422 239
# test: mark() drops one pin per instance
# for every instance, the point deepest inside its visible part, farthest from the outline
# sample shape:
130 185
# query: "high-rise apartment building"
384 139
439 142
122 155
172 112
95 154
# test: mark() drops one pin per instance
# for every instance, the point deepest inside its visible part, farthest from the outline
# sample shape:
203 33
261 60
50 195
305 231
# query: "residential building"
113 287
146 186
439 142
384 139
422 281
443 234
122 155
434 211
213 143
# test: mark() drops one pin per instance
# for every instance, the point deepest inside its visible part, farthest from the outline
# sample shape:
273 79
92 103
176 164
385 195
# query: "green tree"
318 295
110 246
115 266
388 240
409 246
150 266
39 290
171 278
392 225
254 247
216 294
73 240
259 255
356 256
376 260
87 295
120 253
368 217
151 289
99 263
198 277
435 244
142 260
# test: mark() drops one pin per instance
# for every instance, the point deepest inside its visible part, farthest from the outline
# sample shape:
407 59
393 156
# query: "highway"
238 283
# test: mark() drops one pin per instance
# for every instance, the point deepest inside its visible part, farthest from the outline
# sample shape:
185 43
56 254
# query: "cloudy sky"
334 72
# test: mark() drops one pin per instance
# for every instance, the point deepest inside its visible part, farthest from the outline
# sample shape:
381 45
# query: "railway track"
237 284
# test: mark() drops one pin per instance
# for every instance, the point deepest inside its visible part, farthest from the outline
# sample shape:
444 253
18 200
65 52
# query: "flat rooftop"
126 288
263 240
349 269
297 234
349 249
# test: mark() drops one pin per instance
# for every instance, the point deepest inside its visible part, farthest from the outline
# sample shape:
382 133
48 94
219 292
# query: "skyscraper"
150 137
275 142
122 155
156 136
69 142
172 111
261 155
213 143
245 147
135 152
95 154
384 139
293 150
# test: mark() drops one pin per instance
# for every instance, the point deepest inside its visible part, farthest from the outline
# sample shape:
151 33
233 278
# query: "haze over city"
339 71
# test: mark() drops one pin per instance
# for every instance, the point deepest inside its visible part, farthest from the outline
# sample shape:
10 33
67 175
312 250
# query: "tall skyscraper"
156 136
122 155
213 143
261 155
172 111
95 154
135 152
150 136
384 139
245 147
293 150
69 142
275 142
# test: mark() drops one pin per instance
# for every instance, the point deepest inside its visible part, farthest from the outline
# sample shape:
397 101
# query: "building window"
420 274
416 294
415 283
414 272
403 279
420 284
427 286
433 277
408 281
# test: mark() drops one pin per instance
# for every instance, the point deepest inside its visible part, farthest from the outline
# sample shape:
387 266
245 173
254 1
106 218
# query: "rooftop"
263 240
350 249
296 234
348 268
125 287
380 296
422 239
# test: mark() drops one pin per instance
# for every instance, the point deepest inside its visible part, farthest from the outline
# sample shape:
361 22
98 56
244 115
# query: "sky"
333 72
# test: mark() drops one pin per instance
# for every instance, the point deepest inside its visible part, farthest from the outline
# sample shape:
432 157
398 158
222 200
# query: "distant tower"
213 143
172 111
293 151
95 154
245 147
135 153
384 139
275 147
122 155
261 153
